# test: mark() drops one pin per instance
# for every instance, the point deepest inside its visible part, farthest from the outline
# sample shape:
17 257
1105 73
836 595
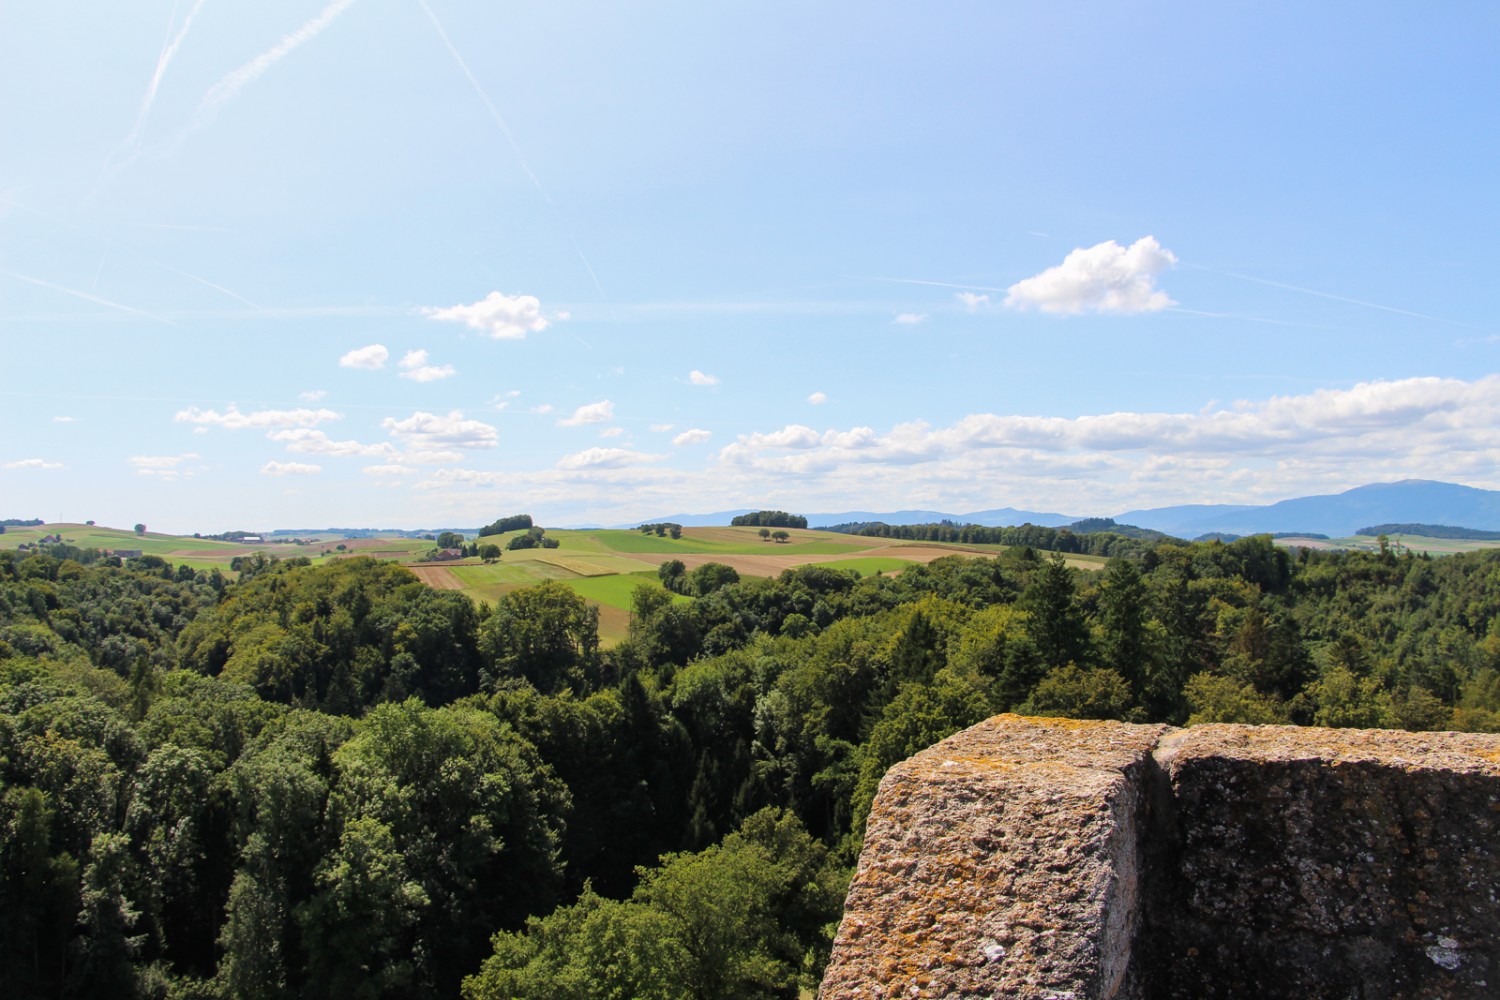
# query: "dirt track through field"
437 577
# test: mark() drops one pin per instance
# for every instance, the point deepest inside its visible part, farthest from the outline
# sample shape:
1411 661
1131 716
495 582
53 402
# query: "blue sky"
428 262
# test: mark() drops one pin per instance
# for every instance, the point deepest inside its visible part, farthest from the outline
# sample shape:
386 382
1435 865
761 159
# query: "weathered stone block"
1049 858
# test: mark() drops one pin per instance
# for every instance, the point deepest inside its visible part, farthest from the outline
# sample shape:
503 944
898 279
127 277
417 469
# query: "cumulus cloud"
312 395
431 432
612 432
372 357
444 479
972 302
604 458
503 317
418 370
433 456
388 470
699 378
590 413
289 469
909 319
1105 278
308 441
233 419
32 463
542 408
695 436
1404 423
818 398
661 428
149 462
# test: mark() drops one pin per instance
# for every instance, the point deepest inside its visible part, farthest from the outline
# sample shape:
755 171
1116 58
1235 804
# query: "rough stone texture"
1329 862
1001 862
1048 858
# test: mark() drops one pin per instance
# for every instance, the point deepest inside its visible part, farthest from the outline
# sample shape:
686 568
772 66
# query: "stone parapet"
1048 858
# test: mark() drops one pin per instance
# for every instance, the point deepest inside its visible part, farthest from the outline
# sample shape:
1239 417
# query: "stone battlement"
1048 858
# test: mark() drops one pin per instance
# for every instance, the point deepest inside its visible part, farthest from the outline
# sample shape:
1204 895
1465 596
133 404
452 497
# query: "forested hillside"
330 780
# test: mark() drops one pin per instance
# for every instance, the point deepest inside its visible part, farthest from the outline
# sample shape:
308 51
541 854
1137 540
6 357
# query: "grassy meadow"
603 565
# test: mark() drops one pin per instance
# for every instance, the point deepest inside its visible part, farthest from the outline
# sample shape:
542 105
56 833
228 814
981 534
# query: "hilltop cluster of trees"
331 780
661 528
516 522
534 538
769 519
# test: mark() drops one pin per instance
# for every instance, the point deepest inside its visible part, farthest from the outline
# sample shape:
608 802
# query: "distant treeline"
769 519
16 522
1226 536
1431 531
1095 542
516 522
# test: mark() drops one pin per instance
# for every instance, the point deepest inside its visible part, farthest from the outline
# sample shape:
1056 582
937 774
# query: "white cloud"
372 357
503 317
289 469
233 419
1403 426
909 319
430 373
612 432
605 458
64 420
542 408
430 432
1105 278
818 398
695 436
314 442
32 463
661 428
418 370
312 395
433 456
971 301
387 470
145 462
590 413
699 378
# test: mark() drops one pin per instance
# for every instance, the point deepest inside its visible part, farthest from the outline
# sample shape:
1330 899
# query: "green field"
604 566
870 565
634 541
617 591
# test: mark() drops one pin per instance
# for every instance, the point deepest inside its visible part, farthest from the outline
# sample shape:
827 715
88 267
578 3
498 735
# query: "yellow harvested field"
437 577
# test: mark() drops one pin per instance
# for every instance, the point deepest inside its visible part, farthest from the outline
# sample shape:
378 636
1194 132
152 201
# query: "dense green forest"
1430 531
331 780
1095 536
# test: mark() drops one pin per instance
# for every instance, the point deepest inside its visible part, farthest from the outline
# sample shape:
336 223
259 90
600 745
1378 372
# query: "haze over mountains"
1414 501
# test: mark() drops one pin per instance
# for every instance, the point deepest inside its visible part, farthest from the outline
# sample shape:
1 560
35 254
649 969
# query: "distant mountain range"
1419 501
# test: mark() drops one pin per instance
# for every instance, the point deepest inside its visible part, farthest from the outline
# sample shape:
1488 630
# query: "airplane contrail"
90 298
229 87
204 281
511 138
1335 298
133 140
489 104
